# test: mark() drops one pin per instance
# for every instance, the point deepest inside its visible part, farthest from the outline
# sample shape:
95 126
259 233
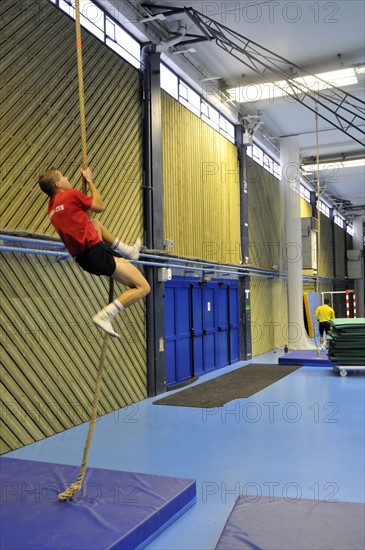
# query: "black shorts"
97 260
324 327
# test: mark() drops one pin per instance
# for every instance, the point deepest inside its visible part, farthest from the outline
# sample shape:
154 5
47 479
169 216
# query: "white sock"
127 250
112 309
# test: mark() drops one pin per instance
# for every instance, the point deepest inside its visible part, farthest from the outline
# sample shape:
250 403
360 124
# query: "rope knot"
70 492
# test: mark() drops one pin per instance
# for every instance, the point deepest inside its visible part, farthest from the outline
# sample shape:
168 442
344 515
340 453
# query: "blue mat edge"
294 358
163 527
251 544
132 536
187 493
306 363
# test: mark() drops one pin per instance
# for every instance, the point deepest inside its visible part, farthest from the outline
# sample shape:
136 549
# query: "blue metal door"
178 332
170 334
184 369
197 328
228 323
234 324
209 328
223 340
202 327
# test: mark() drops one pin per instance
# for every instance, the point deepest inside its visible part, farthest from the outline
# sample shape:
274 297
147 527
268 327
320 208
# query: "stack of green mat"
346 342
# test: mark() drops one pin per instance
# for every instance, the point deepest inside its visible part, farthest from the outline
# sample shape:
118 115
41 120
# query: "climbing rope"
317 301
76 486
80 75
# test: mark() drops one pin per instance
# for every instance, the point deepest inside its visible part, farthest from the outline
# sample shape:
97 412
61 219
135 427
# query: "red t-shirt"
67 212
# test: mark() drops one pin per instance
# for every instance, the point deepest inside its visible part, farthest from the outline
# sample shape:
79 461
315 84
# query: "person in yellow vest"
324 314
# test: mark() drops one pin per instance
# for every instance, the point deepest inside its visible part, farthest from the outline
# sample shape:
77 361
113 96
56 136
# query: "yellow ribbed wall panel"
305 208
325 247
269 316
339 235
264 216
268 312
309 286
201 187
50 349
40 126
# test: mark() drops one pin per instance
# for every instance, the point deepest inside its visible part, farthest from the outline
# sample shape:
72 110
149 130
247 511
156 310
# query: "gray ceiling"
316 36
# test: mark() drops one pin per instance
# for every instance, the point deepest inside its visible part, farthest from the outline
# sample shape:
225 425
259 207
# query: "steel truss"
340 109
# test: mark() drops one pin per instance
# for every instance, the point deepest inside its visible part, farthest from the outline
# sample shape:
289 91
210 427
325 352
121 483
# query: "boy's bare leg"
128 275
125 250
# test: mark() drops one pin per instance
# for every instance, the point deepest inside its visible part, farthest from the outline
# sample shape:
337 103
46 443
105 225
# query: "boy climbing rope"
87 241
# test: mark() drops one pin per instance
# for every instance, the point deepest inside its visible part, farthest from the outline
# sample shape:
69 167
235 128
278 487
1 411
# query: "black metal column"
315 214
334 252
153 218
244 283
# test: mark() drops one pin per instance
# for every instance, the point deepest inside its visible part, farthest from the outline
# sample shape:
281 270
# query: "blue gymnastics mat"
114 510
268 523
306 358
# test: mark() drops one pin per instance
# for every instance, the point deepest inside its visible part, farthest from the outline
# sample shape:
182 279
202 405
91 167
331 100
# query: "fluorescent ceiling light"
159 16
334 165
360 70
281 88
187 50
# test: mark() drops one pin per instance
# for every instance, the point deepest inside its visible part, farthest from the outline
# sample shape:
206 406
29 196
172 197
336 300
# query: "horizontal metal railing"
57 249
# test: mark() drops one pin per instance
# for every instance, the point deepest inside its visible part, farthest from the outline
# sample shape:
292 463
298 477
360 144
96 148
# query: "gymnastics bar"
28 240
196 265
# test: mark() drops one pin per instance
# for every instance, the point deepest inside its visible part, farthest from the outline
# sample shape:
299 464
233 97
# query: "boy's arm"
97 204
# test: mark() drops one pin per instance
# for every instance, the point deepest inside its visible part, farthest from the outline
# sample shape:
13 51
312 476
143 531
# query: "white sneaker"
130 251
134 255
103 322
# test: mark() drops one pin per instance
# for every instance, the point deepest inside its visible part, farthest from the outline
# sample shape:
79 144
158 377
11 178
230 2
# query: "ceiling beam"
337 107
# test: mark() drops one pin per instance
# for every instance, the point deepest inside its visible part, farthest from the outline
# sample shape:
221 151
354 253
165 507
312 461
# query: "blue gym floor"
302 437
